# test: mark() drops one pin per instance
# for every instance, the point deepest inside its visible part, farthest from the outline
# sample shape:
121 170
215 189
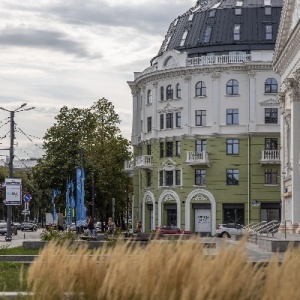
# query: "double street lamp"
11 158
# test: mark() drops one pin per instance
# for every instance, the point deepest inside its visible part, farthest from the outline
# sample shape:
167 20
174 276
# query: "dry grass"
172 270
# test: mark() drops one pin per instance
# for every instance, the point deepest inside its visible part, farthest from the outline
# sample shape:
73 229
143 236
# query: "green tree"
88 137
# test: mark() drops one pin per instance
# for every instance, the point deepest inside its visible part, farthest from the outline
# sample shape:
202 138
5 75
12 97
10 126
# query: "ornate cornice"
188 72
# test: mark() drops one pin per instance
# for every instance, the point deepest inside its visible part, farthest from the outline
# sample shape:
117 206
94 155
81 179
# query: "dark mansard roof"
210 26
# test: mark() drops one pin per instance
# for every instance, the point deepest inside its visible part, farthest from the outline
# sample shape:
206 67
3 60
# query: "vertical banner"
13 191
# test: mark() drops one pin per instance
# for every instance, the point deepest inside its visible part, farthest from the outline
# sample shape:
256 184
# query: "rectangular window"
269 34
183 38
161 150
169 178
212 13
232 176
148 179
161 118
177 145
178 119
169 120
200 146
232 116
237 32
177 177
169 149
232 146
200 117
148 149
207 34
161 178
271 176
142 129
271 144
200 177
149 124
271 115
162 96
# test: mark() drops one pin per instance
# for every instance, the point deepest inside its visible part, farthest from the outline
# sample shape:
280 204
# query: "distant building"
287 64
206 128
20 164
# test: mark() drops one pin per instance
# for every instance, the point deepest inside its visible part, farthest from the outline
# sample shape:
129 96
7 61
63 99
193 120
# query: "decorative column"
188 115
293 84
135 111
155 96
216 102
252 101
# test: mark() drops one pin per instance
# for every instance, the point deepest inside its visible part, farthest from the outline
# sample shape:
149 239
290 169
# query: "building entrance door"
203 221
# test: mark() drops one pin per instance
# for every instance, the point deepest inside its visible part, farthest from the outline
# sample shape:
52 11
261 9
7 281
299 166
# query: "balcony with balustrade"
129 166
270 157
218 59
197 158
144 162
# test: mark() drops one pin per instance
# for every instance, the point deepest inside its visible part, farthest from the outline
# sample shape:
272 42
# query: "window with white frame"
169 92
232 116
161 121
200 146
177 148
200 89
200 117
178 119
232 176
232 146
178 91
271 86
169 149
148 179
169 120
200 177
149 124
271 115
232 87
170 178
271 176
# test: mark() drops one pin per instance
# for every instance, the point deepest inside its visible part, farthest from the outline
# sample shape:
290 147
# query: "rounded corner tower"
206 126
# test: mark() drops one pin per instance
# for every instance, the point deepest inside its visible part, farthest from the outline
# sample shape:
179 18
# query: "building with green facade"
206 124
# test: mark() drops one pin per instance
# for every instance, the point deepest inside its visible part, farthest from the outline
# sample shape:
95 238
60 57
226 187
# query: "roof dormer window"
175 22
191 16
183 38
212 13
238 8
207 34
237 32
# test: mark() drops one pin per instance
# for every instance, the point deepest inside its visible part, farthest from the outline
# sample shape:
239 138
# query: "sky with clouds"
73 52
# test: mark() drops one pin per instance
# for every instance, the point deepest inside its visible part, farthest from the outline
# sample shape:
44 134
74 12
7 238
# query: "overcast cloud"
73 52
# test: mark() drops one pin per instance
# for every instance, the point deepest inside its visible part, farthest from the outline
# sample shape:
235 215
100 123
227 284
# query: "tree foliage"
87 137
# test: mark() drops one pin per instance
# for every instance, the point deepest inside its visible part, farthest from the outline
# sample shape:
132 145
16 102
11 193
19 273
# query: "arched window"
178 91
169 92
149 97
200 89
271 86
162 94
232 87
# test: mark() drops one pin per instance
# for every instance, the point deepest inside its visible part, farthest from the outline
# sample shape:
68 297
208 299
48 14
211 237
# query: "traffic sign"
27 197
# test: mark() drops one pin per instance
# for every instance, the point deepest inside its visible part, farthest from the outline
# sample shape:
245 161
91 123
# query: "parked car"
18 225
28 225
170 229
226 230
3 228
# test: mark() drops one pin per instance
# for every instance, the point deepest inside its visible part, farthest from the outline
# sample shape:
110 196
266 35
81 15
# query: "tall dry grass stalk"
162 270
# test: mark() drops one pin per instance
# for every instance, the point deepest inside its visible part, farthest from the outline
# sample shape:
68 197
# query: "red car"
170 230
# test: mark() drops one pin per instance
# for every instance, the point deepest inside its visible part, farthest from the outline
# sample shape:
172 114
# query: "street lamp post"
11 159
